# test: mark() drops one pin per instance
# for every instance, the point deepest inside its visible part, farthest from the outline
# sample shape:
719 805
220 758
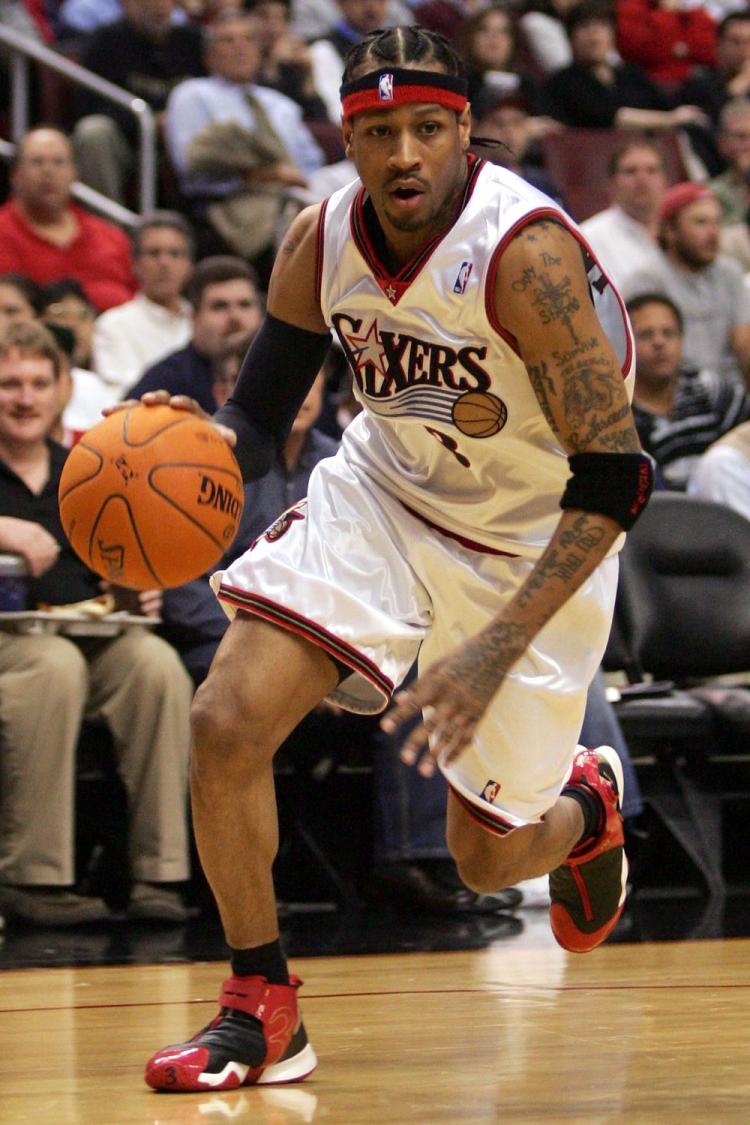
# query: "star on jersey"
367 349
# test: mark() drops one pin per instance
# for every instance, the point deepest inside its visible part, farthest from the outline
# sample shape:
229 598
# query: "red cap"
682 195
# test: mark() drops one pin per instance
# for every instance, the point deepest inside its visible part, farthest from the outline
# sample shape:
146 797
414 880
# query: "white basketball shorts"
356 573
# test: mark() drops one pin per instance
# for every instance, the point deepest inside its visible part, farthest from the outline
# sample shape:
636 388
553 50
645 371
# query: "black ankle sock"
263 961
590 806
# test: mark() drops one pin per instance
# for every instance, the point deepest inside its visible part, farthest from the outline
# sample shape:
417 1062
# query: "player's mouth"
406 196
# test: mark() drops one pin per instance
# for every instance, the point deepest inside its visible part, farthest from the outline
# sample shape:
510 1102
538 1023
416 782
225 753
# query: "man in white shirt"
624 236
131 337
238 148
723 472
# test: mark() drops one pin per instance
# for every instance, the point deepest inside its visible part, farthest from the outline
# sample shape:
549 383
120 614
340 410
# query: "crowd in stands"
246 101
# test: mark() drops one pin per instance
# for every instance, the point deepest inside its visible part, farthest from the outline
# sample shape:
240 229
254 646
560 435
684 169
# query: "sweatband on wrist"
617 485
389 87
276 374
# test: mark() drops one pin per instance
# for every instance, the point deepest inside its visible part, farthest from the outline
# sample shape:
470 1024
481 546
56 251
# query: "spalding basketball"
479 414
151 497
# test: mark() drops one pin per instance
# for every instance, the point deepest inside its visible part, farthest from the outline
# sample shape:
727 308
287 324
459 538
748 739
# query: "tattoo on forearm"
563 561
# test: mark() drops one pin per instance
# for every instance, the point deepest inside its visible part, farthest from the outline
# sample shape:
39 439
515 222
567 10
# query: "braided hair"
399 46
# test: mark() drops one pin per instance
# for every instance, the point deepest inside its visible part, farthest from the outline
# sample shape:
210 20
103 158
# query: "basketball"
151 497
479 414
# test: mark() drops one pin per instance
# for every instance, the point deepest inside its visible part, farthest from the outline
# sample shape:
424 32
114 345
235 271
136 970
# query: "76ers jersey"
450 424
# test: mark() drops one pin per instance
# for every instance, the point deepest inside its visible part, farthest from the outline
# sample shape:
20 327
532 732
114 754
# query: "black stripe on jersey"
311 631
493 822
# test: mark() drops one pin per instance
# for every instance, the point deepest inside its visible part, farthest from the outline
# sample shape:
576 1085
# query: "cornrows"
399 46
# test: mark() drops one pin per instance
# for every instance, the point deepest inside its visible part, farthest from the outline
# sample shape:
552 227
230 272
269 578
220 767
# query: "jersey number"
451 445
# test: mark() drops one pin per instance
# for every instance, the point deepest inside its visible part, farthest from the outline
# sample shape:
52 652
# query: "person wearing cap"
471 520
706 286
625 235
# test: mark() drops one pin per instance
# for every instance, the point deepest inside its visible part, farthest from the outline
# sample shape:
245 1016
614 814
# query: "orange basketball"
151 497
479 414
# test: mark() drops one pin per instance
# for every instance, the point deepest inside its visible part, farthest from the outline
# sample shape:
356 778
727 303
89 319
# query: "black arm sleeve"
275 377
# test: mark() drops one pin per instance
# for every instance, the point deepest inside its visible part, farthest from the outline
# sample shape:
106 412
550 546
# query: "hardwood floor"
633 1033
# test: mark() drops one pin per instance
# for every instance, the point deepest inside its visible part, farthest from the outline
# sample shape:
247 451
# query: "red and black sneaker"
588 890
257 1038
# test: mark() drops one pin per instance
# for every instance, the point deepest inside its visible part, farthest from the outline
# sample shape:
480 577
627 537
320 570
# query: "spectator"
226 303
506 118
722 474
64 302
236 143
66 311
489 46
129 339
710 87
734 241
313 18
705 285
46 236
625 235
601 92
447 17
146 54
285 63
733 137
49 683
666 37
543 27
20 299
353 20
679 410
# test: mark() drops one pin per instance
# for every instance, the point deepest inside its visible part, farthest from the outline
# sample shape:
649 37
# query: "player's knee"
487 870
228 729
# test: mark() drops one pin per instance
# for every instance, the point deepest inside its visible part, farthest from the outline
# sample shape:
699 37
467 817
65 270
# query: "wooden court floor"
634 1033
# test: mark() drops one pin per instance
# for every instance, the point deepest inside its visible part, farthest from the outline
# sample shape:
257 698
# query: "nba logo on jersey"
385 88
462 278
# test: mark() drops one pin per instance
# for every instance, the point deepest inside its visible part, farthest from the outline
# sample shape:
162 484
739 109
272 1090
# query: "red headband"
391 87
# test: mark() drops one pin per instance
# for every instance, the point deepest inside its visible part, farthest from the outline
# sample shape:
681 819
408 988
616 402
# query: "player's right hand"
179 402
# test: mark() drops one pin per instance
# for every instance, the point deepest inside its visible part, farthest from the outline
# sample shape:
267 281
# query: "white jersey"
451 425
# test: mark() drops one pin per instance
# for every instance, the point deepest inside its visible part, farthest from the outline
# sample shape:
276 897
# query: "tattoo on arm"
544 389
563 561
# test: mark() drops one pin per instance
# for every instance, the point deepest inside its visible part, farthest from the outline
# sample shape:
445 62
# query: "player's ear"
464 126
346 132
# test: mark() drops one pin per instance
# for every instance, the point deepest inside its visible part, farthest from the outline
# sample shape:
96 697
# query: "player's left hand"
454 693
179 402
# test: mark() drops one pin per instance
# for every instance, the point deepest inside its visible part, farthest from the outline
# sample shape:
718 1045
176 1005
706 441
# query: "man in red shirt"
46 236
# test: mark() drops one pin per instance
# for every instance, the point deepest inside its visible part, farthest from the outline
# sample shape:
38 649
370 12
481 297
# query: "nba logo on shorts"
385 87
462 278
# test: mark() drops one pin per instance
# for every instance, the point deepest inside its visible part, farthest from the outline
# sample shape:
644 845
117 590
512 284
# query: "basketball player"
473 515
